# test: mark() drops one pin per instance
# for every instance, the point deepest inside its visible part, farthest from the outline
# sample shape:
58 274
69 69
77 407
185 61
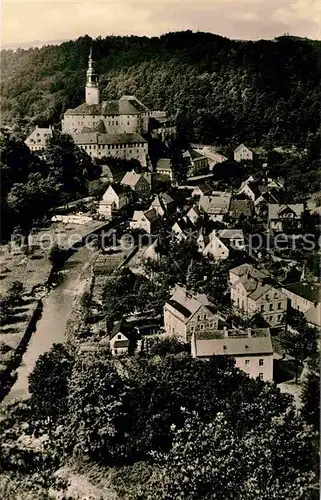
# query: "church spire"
92 90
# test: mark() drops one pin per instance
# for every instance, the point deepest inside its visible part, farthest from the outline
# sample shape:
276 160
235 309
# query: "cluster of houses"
214 220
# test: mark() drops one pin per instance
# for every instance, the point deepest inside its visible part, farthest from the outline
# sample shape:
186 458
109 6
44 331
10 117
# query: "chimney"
249 332
225 332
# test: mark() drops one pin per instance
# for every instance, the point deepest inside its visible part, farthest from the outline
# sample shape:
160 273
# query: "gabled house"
254 292
163 204
138 183
147 221
251 189
121 339
164 167
202 189
186 313
195 163
213 156
183 229
193 214
115 198
233 238
216 248
251 349
282 218
112 173
216 206
242 153
37 140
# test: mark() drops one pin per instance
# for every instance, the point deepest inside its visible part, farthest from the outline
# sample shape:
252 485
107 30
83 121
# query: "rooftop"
126 105
309 291
217 203
276 211
186 303
233 345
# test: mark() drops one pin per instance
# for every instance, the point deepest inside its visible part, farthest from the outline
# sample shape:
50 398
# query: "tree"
299 341
48 382
57 255
206 461
310 397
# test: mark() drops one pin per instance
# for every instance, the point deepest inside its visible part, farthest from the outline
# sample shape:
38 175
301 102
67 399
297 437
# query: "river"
51 327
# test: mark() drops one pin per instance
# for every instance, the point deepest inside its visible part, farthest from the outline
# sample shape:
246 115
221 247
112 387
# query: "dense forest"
218 90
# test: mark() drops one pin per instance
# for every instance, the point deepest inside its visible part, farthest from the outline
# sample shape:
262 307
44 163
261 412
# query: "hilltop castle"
104 128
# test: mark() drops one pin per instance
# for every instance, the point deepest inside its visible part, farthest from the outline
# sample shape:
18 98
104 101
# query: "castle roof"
127 105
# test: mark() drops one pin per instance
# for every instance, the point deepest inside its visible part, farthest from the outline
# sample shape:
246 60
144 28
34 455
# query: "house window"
261 376
115 350
202 327
199 318
262 308
279 305
205 316
119 336
211 325
247 361
267 297
261 362
192 328
271 307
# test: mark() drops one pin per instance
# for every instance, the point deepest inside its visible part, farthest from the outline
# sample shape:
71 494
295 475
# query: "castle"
105 128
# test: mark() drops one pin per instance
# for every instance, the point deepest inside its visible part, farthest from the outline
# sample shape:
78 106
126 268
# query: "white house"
163 204
216 248
147 221
138 183
193 214
305 297
120 338
251 349
242 153
115 198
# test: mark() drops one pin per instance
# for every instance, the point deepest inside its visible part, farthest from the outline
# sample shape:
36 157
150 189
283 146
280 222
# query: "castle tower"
92 90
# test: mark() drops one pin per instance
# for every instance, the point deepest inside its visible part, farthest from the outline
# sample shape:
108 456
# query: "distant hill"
219 90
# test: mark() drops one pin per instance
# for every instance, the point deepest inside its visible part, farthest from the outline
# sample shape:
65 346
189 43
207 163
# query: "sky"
24 21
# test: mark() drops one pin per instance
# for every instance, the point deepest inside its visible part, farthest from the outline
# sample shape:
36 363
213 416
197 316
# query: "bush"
57 255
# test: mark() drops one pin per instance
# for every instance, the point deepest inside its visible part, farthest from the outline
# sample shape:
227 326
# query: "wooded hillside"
219 90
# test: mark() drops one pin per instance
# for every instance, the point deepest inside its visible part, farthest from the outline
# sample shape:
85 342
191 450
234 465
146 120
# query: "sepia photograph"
160 250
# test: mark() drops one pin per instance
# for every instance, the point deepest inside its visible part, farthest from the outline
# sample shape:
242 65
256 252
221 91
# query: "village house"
213 157
242 153
186 313
115 198
195 163
112 173
253 292
121 338
163 204
193 214
37 140
183 229
164 168
216 206
283 218
251 349
138 183
250 188
216 248
147 221
234 238
202 189
305 297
